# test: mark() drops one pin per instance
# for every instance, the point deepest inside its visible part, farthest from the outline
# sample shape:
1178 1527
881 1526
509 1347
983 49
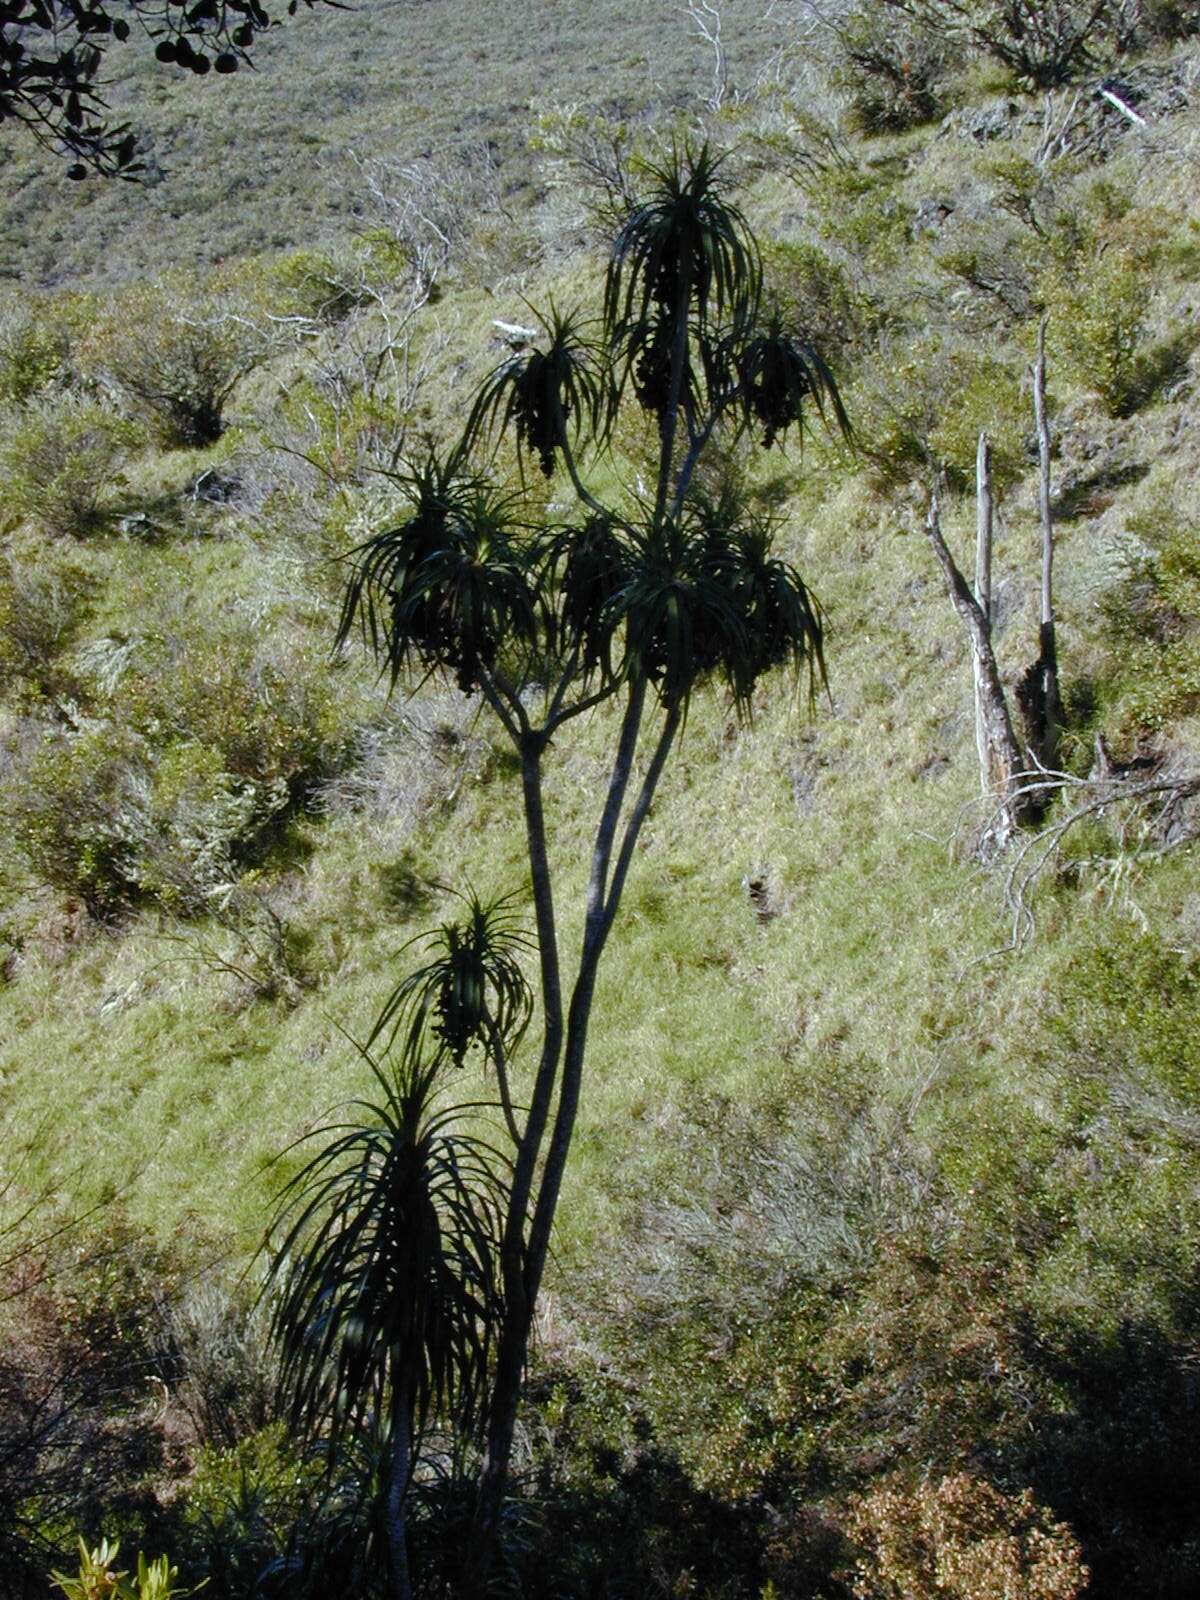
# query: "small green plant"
60 458
264 705
924 408
99 1578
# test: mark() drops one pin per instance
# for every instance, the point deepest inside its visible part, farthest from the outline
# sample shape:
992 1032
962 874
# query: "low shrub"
960 1538
77 807
265 704
1042 43
239 1521
920 407
1097 293
43 604
816 293
60 457
226 1374
1152 619
176 350
34 348
892 66
96 814
82 1436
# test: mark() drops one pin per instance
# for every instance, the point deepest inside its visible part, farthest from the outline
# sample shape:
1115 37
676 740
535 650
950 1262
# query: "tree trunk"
604 893
998 743
988 775
1037 692
397 1516
517 1320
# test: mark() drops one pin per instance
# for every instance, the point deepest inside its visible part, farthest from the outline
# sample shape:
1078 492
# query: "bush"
264 704
177 352
1152 618
77 809
205 744
33 350
97 816
1043 43
1098 323
43 604
962 1539
920 406
892 66
60 458
81 1435
1161 19
243 1512
226 1374
1114 1038
816 293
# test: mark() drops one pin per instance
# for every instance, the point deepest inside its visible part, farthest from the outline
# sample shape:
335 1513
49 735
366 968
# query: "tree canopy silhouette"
53 53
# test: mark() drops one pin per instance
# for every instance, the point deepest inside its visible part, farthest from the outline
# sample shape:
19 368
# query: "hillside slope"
266 161
884 1204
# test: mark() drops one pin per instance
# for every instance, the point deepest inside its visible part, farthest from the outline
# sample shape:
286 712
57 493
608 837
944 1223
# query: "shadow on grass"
1121 1460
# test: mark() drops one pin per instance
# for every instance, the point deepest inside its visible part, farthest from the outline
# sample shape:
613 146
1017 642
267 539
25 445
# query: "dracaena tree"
635 599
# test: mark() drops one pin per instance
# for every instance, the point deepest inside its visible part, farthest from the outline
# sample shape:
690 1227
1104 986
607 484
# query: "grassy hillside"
882 1211
266 161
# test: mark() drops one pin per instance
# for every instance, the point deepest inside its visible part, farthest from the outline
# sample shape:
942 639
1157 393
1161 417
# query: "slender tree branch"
638 815
578 707
606 832
505 704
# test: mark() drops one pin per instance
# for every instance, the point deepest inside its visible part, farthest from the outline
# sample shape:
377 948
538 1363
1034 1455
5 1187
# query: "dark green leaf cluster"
778 371
472 993
385 1266
685 246
449 586
52 53
704 599
545 393
697 597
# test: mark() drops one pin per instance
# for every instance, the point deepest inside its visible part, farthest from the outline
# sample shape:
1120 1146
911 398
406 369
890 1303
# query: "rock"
513 334
214 488
930 214
982 123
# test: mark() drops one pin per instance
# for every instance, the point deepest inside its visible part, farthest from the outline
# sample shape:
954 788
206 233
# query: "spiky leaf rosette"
472 992
684 242
384 1266
685 257
547 394
451 586
705 599
778 371
588 564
